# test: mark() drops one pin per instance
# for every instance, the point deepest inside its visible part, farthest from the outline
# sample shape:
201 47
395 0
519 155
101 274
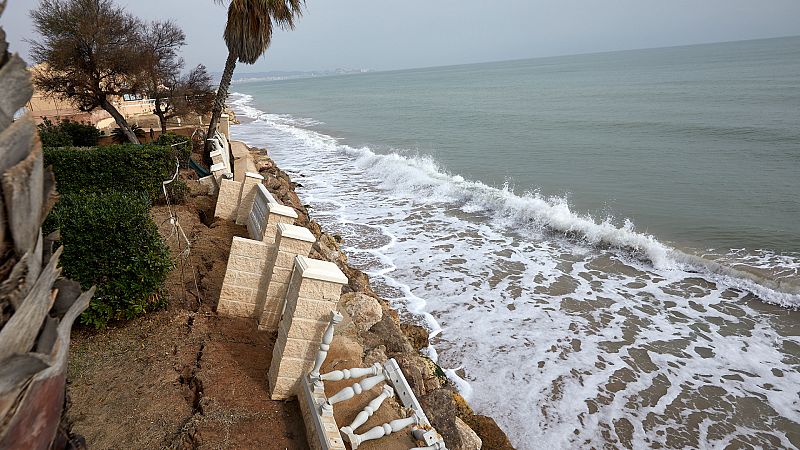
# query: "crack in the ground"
188 437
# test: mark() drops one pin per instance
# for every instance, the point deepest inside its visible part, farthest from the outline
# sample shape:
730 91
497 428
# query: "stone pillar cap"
295 232
255 175
281 210
218 166
215 153
320 270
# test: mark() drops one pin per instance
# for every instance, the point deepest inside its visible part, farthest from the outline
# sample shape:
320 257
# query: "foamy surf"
420 176
571 332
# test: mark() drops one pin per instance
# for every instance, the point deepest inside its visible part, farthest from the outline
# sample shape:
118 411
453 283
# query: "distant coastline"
278 75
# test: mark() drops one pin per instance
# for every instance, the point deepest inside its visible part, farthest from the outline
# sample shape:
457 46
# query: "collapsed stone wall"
382 335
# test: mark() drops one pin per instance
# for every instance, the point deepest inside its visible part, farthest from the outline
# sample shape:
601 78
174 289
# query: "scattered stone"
363 309
417 335
469 439
373 355
489 432
442 412
387 332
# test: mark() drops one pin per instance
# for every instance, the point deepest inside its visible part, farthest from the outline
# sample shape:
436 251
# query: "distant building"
43 106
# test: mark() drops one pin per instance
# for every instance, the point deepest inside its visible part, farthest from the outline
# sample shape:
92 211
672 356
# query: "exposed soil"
182 377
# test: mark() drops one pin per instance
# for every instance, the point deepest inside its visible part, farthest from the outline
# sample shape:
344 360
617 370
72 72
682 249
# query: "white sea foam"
571 332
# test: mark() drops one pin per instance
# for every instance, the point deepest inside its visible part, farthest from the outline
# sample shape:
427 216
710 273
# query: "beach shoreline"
393 336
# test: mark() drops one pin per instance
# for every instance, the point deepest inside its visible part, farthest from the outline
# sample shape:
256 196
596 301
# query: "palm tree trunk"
120 119
219 102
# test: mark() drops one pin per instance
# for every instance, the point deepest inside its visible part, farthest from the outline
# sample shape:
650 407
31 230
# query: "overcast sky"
390 34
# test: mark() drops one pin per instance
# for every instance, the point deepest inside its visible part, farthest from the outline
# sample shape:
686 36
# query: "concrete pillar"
245 278
217 157
313 292
276 215
246 196
291 241
219 170
224 125
228 199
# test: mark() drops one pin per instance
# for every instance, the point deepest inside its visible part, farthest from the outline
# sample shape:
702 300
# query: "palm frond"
248 32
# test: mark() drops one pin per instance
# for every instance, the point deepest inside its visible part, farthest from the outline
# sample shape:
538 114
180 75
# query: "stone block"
300 348
237 294
248 247
235 309
282 388
269 321
281 276
300 328
246 196
320 290
284 260
248 280
294 246
246 264
227 199
312 309
276 289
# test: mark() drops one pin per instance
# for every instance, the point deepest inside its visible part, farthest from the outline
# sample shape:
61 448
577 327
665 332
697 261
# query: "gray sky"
387 34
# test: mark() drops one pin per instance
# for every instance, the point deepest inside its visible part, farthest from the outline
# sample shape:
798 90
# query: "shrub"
67 133
124 168
53 135
180 145
83 134
110 240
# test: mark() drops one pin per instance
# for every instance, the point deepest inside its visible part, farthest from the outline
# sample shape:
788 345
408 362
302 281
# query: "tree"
174 95
248 34
90 51
179 96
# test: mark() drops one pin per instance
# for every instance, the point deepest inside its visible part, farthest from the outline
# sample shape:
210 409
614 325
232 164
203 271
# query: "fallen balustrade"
319 409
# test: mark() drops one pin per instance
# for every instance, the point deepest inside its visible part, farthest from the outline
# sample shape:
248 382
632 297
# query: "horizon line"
373 71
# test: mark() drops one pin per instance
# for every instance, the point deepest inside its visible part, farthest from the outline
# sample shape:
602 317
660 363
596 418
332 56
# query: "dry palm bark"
37 308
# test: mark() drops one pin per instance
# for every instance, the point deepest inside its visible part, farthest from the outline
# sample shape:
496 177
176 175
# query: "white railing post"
382 430
346 374
356 389
322 354
367 412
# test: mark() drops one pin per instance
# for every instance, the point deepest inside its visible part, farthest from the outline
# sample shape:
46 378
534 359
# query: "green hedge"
68 133
181 146
124 168
110 240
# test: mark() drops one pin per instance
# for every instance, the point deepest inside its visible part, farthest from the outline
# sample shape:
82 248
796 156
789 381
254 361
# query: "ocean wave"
420 178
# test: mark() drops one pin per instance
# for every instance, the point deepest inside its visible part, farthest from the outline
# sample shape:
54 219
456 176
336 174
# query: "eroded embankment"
381 333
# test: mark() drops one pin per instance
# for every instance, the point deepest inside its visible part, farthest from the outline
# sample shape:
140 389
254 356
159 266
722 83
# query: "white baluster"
382 430
324 346
357 388
346 374
368 411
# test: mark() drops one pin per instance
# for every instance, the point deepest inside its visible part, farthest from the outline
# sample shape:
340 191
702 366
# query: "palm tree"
248 34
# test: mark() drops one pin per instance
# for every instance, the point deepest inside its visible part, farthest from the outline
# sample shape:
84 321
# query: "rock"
365 311
442 413
421 373
327 248
491 434
417 335
387 332
373 355
469 439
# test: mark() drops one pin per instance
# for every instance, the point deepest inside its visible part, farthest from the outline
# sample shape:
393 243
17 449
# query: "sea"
604 247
